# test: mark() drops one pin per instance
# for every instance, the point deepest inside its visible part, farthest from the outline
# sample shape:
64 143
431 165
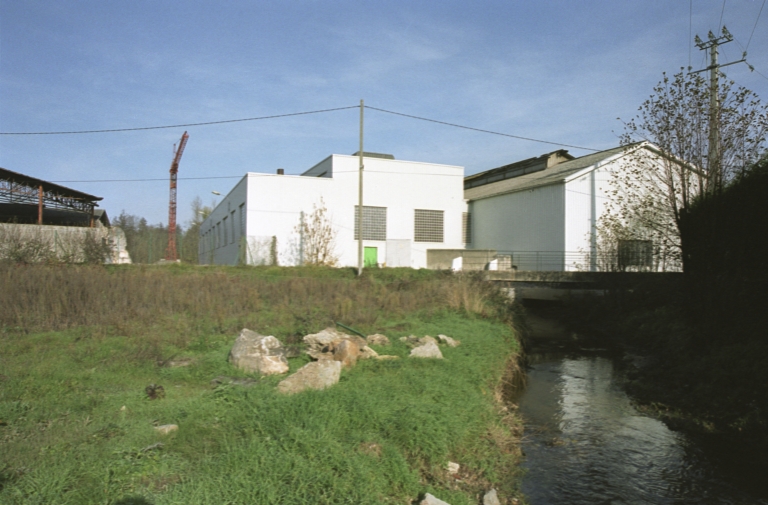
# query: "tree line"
147 243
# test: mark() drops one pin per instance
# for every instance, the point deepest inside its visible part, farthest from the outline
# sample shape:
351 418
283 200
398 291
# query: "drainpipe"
593 219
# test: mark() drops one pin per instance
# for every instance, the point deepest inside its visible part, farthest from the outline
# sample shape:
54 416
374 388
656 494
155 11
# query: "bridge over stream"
538 285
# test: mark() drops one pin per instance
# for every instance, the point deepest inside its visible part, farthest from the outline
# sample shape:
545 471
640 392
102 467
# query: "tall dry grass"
129 300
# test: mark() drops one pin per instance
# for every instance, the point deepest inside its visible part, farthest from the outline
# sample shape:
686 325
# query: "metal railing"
575 261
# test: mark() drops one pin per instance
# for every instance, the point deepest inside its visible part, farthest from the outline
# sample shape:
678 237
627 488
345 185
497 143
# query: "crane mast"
170 252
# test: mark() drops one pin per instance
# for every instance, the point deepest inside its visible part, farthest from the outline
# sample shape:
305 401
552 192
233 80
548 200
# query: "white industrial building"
542 212
408 208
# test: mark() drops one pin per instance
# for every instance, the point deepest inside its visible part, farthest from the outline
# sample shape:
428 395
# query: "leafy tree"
652 193
191 238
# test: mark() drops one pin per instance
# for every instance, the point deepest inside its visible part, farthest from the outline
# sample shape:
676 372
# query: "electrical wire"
114 130
721 17
753 28
480 130
155 179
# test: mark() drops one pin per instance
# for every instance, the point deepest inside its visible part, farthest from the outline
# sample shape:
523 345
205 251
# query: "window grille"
232 226
242 219
374 223
428 225
635 253
466 227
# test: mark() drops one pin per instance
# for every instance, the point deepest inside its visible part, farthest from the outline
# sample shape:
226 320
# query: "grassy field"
79 345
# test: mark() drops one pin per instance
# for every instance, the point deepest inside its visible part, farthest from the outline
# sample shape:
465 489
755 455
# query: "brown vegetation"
189 301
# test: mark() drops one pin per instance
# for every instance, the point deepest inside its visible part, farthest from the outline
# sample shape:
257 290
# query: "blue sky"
560 71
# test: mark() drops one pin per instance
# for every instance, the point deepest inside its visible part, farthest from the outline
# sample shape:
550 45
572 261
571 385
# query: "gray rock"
491 498
258 354
316 375
411 340
431 500
333 344
166 428
377 339
448 340
323 339
428 350
366 352
426 339
345 351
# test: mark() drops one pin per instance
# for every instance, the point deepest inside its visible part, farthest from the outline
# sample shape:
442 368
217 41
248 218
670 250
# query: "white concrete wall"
212 247
275 203
525 221
585 200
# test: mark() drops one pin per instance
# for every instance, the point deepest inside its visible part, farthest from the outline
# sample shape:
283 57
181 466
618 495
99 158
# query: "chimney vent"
280 171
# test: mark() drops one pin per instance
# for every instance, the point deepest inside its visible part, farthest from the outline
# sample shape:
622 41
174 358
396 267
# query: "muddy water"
586 443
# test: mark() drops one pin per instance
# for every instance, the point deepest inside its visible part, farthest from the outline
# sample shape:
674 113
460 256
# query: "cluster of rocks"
331 351
490 498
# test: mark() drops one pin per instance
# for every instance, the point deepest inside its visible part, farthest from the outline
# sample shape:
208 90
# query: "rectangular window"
218 234
232 225
635 253
374 223
466 227
242 219
226 235
428 225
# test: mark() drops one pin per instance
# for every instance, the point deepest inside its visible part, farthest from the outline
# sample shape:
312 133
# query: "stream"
586 443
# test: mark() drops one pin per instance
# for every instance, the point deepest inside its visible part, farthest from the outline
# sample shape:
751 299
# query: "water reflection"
585 443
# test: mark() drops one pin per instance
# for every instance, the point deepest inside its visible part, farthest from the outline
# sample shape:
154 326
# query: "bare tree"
317 237
653 189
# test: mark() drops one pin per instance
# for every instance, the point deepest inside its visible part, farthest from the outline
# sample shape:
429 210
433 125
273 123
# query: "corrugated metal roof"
558 173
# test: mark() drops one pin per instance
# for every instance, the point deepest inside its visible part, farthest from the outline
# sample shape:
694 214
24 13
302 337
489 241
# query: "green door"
371 257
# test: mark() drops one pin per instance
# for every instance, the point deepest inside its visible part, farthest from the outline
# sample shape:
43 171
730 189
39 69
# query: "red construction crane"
170 252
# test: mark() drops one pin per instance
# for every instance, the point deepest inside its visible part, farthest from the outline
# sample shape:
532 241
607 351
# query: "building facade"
544 212
408 208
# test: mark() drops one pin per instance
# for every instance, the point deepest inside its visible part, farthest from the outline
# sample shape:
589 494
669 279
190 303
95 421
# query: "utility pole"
360 198
714 170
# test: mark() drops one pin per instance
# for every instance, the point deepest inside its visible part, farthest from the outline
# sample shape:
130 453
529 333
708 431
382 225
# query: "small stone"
491 498
377 339
448 340
123 409
166 428
366 353
453 468
429 350
426 339
431 500
314 375
411 340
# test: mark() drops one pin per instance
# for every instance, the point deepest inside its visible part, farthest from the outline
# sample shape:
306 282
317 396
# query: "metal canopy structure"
21 194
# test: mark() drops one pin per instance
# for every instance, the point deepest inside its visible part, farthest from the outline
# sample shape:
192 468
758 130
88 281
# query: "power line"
753 28
481 130
113 130
151 180
207 123
721 17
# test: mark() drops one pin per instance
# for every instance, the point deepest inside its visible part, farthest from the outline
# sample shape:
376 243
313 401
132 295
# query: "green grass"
382 435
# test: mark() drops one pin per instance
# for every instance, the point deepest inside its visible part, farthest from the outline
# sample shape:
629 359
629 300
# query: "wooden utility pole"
714 168
360 198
